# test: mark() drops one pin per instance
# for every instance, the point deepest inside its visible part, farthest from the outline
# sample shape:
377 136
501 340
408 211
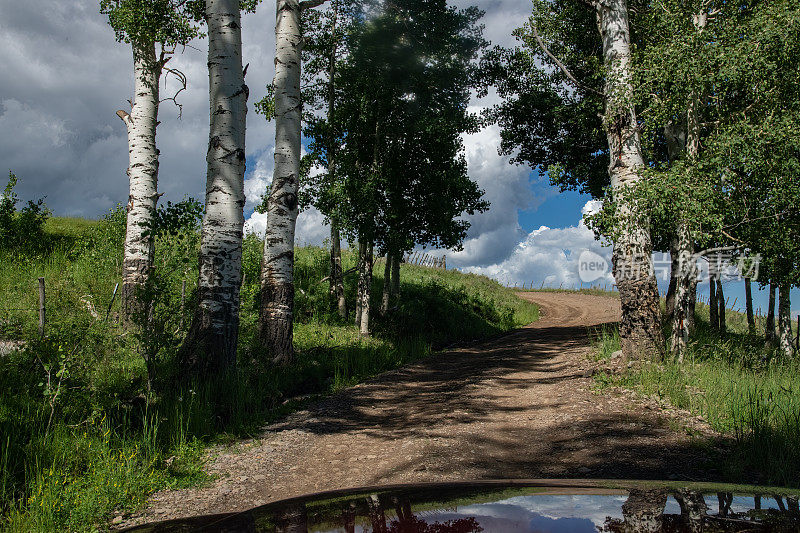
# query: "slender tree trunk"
214 331
362 257
691 313
669 301
277 276
367 293
785 338
685 274
769 327
337 283
684 242
396 276
336 278
723 326
640 328
713 305
137 261
387 285
748 297
675 135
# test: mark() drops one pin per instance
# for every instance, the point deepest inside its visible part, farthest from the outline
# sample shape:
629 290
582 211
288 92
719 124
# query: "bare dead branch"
561 65
183 81
346 272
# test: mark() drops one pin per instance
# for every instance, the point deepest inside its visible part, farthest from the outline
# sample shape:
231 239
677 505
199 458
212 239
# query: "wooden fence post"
41 307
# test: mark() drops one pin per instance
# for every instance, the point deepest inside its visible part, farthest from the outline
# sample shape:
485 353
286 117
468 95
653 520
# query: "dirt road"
518 406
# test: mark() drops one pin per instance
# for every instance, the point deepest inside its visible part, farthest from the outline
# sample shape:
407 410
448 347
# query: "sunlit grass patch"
737 386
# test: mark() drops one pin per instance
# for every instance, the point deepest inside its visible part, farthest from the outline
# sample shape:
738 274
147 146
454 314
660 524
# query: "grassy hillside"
742 388
85 434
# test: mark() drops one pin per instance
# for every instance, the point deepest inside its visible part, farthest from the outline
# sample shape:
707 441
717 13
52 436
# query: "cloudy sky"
64 77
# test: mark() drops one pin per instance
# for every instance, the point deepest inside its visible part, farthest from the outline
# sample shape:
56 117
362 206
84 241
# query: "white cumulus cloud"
549 256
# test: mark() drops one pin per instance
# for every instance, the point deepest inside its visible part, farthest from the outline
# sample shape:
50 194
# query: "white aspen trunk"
366 292
640 329
387 284
785 320
690 314
685 275
215 327
137 260
675 135
684 243
362 254
277 274
336 279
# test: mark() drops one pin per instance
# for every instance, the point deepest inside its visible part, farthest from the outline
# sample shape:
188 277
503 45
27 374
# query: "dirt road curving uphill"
517 406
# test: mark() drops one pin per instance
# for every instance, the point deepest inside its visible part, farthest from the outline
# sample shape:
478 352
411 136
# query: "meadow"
744 389
91 421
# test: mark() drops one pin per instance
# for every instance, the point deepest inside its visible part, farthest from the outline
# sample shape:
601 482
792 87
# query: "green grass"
740 388
69 227
81 435
594 291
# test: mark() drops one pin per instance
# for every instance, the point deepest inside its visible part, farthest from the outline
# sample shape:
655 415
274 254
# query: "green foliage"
402 78
20 228
546 120
740 188
147 22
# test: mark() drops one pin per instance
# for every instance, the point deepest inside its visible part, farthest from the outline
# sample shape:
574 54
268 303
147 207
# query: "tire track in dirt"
516 406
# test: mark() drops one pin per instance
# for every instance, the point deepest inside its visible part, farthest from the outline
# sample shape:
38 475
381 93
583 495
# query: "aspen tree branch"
776 216
705 253
734 239
310 4
563 67
125 117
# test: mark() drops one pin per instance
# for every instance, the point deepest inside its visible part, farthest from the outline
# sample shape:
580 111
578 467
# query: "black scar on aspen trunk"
209 347
276 328
639 329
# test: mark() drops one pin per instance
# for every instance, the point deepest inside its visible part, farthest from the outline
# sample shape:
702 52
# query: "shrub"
21 228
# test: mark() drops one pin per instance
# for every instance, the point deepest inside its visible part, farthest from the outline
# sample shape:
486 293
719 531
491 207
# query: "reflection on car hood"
574 506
